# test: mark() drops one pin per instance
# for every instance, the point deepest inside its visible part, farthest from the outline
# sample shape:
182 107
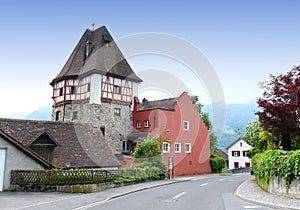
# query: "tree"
204 115
213 144
280 107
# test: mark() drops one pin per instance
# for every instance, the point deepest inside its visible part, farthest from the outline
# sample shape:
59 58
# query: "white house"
237 154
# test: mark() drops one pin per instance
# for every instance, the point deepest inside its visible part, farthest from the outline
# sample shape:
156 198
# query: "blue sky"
244 41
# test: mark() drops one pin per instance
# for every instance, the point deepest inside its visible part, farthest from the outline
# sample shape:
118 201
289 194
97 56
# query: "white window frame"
189 149
138 124
186 125
146 123
166 147
177 149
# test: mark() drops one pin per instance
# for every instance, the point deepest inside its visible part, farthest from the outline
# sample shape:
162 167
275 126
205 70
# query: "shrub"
217 163
276 163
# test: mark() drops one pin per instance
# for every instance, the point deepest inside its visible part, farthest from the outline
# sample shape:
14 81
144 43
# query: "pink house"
177 119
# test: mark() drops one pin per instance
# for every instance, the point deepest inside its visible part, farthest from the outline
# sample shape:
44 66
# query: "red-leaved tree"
280 107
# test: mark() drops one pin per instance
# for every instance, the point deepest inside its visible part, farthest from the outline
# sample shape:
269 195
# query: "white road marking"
201 185
222 179
251 207
177 196
195 179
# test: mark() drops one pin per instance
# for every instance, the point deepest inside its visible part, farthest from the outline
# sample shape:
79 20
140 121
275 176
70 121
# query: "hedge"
276 163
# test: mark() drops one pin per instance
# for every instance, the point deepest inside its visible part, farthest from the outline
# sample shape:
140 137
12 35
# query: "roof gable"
26 150
44 139
102 56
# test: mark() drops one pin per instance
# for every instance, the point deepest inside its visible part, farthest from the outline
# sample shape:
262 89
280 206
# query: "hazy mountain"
44 113
237 116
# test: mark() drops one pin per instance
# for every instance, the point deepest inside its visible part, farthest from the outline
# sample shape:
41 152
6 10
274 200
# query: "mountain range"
238 116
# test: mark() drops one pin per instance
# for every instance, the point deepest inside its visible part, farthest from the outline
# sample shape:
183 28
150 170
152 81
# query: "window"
138 124
117 111
241 144
146 123
75 115
89 87
73 90
187 148
186 125
166 147
235 153
177 148
168 131
117 89
61 91
244 153
57 114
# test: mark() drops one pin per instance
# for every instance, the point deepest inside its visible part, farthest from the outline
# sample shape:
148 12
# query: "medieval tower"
96 85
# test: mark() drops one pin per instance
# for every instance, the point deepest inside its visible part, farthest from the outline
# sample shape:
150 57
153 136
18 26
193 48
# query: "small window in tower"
73 90
61 91
117 89
117 111
88 87
57 114
75 115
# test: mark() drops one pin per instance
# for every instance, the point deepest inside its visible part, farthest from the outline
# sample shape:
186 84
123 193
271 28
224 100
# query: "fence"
61 177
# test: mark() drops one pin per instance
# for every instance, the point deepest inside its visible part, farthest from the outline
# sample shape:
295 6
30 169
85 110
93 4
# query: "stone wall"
117 126
277 186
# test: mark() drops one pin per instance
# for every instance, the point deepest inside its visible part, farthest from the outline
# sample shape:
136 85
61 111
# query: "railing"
61 177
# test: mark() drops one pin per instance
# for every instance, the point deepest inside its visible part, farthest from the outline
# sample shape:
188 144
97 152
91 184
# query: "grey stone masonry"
115 118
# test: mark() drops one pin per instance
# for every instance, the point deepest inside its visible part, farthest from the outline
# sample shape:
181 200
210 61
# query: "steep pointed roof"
96 52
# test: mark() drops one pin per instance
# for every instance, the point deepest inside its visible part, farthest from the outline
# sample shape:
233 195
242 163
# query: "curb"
259 202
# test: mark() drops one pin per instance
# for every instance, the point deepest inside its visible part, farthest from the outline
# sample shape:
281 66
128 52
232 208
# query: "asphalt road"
207 192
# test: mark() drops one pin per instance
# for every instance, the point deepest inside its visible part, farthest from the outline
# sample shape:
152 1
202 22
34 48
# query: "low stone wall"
277 186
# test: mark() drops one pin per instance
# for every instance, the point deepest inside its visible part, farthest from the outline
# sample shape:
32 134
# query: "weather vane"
93 25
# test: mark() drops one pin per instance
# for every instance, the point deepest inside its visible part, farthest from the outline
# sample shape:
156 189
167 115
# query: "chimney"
88 48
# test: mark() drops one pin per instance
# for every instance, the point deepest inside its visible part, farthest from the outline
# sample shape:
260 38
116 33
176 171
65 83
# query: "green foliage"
149 148
217 163
251 153
213 143
204 115
276 163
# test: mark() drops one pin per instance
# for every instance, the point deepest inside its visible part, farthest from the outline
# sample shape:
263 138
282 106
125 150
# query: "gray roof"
222 154
78 145
104 57
166 104
137 136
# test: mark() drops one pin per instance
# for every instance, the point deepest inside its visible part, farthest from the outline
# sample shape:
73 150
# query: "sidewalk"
250 191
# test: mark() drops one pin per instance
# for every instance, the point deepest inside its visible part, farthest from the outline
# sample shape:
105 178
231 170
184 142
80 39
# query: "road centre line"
201 185
180 194
195 179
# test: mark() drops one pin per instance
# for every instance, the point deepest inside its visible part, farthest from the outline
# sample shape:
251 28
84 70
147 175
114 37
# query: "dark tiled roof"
104 57
167 104
79 145
222 154
137 136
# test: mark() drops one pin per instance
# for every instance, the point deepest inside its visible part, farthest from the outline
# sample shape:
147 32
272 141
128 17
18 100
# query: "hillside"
237 116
